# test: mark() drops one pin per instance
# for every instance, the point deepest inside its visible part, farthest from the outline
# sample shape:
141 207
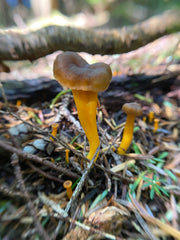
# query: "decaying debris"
108 221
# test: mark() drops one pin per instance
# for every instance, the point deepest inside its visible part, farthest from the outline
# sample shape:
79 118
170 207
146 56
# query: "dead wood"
120 87
30 45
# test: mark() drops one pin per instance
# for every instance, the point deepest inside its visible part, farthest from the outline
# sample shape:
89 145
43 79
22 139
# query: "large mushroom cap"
132 108
72 71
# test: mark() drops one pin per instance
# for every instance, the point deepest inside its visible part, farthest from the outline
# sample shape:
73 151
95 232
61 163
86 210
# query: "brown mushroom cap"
72 71
132 108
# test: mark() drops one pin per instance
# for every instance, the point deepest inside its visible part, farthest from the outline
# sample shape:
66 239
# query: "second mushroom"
85 80
132 110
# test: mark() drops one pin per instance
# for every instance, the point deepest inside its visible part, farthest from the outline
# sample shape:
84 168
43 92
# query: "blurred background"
80 13
98 14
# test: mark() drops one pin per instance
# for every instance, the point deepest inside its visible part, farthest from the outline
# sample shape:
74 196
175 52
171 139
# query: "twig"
64 112
20 45
39 228
91 229
11 193
47 163
78 189
165 227
56 207
144 226
61 213
46 175
46 133
81 182
37 159
125 179
139 156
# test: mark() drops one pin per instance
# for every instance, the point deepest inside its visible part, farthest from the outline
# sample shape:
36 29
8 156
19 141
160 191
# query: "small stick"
78 189
37 159
40 229
11 193
46 175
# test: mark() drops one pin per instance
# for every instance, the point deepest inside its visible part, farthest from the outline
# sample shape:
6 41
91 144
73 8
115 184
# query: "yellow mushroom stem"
127 134
86 103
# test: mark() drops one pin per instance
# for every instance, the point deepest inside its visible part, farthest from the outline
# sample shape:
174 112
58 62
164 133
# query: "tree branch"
30 45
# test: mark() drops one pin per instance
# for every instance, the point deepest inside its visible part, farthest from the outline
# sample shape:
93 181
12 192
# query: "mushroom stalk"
86 103
127 134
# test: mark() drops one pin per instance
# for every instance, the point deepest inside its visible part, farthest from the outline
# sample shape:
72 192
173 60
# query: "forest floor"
131 196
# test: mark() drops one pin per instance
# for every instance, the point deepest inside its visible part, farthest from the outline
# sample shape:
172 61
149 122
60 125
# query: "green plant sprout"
136 183
58 96
135 147
35 117
154 185
171 175
143 98
99 198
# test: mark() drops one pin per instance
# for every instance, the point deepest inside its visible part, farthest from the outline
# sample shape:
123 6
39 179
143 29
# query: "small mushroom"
54 130
67 155
85 80
156 125
151 116
68 184
132 110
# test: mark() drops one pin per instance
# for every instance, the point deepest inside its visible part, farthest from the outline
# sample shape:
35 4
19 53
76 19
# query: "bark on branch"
18 45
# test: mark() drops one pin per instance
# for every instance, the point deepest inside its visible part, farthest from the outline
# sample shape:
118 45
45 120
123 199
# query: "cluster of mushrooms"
86 80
